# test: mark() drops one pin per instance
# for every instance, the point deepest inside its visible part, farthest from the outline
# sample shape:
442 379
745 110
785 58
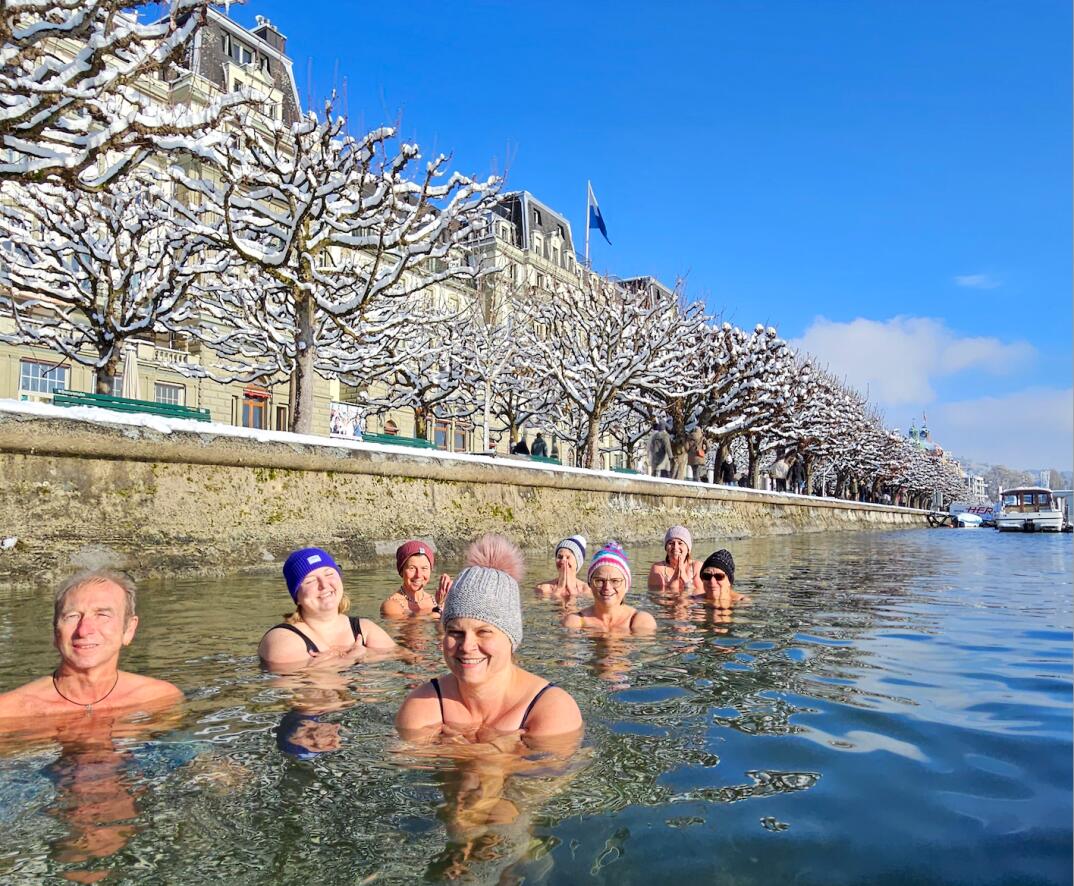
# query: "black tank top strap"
534 701
356 628
439 696
310 645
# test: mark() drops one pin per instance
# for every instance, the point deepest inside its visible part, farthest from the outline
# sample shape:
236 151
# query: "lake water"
890 708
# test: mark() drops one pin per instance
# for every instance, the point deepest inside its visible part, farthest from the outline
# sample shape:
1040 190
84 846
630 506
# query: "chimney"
267 32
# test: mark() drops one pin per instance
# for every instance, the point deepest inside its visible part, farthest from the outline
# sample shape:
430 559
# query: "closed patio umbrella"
130 374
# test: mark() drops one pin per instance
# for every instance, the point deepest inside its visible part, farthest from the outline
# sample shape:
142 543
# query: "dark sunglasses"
713 576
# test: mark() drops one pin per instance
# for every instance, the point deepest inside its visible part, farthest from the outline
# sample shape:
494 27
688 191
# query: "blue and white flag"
596 220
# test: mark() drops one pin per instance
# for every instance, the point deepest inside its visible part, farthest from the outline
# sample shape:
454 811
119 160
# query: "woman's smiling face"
677 550
474 650
565 560
415 573
609 585
320 591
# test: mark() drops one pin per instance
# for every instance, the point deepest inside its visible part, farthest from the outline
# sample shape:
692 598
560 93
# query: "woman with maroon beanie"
414 561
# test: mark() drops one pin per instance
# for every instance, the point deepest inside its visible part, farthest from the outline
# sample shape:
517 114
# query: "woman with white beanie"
677 573
486 693
570 554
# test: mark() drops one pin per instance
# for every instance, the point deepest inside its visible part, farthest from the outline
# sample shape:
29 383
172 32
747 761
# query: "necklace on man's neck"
89 706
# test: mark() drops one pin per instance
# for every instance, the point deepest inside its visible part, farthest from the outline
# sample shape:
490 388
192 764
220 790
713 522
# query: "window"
266 66
441 433
254 407
281 418
461 442
537 220
41 378
390 427
173 395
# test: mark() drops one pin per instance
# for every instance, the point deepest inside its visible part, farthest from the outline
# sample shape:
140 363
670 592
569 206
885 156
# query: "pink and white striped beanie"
610 555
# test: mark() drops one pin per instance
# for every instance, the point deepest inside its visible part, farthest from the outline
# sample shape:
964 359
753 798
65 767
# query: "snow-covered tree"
425 370
745 382
629 423
82 272
597 340
70 106
508 386
335 225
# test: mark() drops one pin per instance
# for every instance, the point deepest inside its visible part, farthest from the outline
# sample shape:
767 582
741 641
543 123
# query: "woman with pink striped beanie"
609 579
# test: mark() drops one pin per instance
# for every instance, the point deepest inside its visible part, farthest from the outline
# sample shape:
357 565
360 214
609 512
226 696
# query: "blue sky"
887 182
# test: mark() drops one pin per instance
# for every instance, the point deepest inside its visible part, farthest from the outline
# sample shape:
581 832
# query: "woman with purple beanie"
319 628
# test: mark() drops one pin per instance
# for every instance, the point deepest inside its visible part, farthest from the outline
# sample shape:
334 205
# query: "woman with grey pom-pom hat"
485 693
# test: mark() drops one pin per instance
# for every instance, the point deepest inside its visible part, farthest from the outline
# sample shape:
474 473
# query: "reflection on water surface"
888 707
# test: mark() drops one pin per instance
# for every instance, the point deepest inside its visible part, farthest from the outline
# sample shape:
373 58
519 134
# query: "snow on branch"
84 272
71 107
332 226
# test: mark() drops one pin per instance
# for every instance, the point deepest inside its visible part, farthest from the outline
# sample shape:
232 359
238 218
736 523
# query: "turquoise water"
889 708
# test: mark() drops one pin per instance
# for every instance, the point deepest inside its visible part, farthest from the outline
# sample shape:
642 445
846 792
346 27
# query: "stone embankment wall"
212 500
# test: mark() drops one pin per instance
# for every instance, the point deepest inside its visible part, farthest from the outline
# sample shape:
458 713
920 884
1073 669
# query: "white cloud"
894 361
977 281
1033 428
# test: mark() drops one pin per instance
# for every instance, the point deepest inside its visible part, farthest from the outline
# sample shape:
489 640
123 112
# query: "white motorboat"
1029 509
966 520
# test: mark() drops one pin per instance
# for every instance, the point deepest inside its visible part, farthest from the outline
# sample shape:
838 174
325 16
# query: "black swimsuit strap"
356 628
525 716
310 645
439 697
534 701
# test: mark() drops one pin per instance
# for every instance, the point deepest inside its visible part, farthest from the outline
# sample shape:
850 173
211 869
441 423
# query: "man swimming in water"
93 619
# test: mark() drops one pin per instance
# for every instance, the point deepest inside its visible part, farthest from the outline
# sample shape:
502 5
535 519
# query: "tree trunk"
807 471
303 377
487 417
106 375
589 452
679 442
421 423
755 461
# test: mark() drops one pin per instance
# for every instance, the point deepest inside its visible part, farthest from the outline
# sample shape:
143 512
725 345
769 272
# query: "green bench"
548 460
396 440
126 404
625 471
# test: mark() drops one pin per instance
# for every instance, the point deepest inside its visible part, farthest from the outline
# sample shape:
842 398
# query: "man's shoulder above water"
40 698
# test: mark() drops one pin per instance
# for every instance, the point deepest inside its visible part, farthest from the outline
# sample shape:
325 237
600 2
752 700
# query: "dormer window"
537 220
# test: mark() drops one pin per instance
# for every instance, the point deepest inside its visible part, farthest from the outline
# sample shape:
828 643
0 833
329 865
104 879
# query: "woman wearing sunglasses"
609 579
717 581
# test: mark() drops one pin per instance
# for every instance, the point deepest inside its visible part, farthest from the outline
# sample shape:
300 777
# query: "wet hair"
96 577
494 551
294 617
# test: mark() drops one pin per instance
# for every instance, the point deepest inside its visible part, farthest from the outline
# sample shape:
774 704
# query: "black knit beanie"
722 559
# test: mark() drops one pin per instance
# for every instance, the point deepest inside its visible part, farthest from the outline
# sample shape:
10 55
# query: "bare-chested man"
93 619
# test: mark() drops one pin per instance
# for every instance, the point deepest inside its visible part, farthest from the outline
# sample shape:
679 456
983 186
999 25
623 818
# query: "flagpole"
588 191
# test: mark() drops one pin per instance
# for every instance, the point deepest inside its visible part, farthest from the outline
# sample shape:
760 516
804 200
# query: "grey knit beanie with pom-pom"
487 589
